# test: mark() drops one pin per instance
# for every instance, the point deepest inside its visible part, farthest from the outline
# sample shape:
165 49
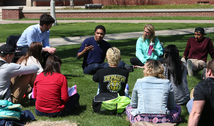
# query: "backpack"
110 103
2 62
10 111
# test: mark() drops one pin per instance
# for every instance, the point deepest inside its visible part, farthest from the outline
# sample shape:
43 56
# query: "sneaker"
30 95
189 68
129 67
183 59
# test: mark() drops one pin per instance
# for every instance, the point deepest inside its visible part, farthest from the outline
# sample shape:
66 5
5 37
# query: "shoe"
129 67
183 59
189 68
30 95
136 66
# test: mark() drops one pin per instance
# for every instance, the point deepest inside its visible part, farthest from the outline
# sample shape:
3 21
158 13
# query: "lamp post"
52 3
72 3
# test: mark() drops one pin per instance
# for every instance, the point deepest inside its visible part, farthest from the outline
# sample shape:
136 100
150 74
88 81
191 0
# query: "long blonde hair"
151 28
155 69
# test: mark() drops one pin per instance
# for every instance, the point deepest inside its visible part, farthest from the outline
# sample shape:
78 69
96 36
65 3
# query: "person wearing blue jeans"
93 50
92 68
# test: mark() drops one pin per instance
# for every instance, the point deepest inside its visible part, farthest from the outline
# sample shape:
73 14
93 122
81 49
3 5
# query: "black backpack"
2 62
98 99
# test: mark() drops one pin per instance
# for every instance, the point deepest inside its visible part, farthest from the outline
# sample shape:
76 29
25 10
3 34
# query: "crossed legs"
19 86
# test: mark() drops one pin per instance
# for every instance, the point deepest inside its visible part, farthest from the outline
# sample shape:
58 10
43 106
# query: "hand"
88 48
50 50
153 49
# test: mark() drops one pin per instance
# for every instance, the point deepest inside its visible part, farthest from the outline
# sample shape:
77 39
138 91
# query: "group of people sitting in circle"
155 98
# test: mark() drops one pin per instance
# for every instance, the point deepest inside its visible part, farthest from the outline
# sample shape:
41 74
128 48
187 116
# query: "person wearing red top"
51 91
196 51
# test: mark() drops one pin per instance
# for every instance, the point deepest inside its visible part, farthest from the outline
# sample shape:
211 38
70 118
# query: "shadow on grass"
79 110
27 103
184 114
69 76
65 52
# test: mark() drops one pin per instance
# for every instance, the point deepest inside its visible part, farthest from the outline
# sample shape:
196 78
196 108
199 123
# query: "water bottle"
150 49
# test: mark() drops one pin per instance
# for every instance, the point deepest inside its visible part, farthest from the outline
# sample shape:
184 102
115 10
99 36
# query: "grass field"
71 67
87 89
135 18
82 29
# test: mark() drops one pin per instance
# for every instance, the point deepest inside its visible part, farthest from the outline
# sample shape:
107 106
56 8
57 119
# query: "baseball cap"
200 30
7 49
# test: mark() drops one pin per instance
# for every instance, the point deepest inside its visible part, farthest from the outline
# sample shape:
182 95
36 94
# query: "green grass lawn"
87 89
135 18
82 29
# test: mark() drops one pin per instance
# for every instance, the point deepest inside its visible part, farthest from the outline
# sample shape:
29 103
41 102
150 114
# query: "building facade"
103 2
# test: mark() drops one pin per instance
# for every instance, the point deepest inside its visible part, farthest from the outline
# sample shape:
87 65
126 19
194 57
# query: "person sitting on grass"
51 91
153 98
14 91
176 72
93 51
33 56
196 51
201 107
147 47
112 78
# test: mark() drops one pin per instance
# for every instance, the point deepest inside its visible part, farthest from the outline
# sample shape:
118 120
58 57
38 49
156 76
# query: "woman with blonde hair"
152 97
147 47
113 78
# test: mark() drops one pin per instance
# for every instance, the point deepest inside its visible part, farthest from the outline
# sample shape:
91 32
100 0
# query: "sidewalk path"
79 39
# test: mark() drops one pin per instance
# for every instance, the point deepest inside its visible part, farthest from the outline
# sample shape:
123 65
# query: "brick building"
104 2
